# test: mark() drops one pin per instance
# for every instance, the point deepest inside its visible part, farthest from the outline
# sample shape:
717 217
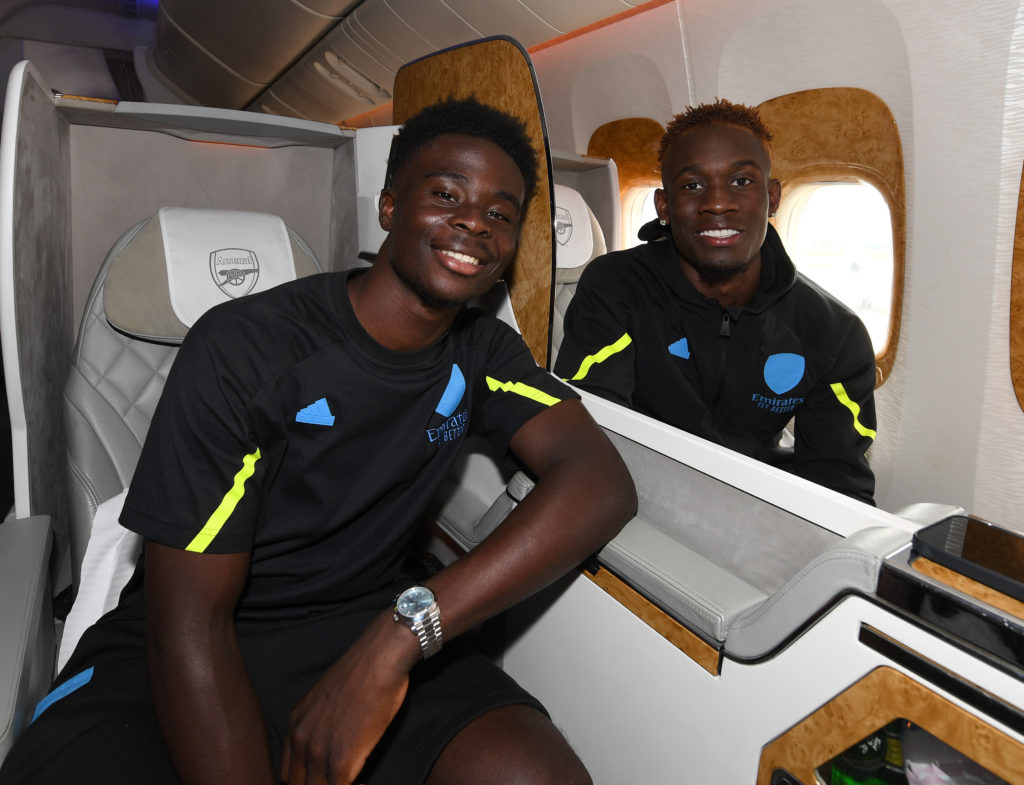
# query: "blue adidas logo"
317 413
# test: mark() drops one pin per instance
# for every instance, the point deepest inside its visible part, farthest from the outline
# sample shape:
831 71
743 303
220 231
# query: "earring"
663 222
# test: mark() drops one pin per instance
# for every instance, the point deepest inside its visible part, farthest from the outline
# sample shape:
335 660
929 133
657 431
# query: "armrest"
691 588
851 565
26 619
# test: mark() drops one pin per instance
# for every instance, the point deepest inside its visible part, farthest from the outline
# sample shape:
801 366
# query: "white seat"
579 240
155 281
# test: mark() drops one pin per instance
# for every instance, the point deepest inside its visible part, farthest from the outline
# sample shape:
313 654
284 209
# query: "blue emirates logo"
782 372
445 424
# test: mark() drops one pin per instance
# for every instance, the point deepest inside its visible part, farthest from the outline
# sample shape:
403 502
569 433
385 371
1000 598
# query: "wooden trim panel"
969 586
693 646
880 697
502 78
1017 301
845 133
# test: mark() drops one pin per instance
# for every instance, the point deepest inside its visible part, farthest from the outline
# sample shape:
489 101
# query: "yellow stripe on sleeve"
600 356
854 407
227 506
522 389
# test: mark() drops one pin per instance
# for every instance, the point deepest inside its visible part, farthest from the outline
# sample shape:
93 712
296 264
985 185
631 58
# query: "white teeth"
463 257
719 233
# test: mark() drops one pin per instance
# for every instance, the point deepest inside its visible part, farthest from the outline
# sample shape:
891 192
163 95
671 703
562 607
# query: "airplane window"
839 234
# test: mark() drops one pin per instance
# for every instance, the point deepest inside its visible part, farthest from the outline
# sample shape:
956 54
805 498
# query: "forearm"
577 505
208 711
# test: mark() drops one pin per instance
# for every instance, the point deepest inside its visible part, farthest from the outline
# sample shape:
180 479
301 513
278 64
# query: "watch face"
414 601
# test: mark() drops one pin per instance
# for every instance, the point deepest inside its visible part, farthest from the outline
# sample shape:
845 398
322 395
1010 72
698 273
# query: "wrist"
417 609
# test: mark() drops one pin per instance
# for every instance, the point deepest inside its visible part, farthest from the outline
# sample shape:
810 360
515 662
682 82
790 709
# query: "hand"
335 727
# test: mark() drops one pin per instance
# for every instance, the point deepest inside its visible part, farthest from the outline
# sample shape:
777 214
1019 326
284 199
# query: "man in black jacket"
709 327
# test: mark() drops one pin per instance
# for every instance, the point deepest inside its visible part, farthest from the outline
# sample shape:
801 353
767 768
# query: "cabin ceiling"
325 60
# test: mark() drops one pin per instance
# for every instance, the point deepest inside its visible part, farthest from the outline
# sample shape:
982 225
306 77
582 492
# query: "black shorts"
100 727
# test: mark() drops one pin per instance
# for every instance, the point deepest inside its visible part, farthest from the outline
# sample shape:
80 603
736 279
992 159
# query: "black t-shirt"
285 429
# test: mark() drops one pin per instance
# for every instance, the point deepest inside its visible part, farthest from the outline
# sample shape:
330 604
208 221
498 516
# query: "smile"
462 257
720 234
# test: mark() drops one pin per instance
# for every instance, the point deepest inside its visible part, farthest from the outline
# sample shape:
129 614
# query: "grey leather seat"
578 241
127 341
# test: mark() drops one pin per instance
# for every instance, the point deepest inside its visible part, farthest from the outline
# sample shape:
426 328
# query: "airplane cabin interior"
747 626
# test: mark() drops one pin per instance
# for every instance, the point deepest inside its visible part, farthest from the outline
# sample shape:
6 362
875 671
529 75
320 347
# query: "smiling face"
717 195
453 214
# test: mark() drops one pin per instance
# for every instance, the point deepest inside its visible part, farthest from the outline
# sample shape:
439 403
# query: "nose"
471 218
718 198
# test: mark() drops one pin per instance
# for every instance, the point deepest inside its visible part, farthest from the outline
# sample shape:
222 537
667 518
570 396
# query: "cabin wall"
137 173
950 429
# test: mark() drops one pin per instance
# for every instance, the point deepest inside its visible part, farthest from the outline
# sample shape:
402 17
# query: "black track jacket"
638 333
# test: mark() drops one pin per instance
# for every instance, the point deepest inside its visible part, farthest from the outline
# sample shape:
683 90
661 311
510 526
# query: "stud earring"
663 222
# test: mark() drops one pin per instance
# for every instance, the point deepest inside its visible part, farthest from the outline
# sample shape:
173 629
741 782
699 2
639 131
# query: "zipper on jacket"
725 330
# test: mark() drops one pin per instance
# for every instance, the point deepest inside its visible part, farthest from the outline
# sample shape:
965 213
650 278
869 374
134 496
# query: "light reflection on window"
840 236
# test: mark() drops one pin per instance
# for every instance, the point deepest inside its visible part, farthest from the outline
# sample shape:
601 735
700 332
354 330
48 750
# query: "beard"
427 297
718 273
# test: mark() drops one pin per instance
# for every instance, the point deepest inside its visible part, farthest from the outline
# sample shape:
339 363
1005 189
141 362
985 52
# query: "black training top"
285 429
637 332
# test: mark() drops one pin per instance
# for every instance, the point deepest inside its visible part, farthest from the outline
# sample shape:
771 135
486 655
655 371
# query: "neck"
737 290
394 316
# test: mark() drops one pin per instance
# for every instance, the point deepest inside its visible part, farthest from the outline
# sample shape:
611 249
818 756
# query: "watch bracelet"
429 644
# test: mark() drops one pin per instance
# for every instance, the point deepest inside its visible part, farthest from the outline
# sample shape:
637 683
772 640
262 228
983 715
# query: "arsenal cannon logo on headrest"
234 270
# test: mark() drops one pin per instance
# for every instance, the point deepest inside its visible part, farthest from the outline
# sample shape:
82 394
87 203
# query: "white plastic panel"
510 17
72 69
375 48
372 148
198 74
328 7
357 57
269 103
256 42
308 88
435 21
380 21
568 15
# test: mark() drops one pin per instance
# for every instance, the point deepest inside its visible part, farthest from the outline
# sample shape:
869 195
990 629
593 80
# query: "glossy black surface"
994 635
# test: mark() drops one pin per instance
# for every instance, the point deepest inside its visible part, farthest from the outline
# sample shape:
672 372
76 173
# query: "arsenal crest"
234 270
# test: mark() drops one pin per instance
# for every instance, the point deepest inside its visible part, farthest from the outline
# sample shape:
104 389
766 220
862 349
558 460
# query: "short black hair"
721 112
470 117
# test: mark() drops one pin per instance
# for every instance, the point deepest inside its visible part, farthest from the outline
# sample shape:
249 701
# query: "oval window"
839 234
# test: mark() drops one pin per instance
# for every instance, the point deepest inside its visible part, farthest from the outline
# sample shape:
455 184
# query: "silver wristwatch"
417 608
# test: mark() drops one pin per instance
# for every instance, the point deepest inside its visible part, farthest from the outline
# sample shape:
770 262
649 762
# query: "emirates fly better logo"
234 270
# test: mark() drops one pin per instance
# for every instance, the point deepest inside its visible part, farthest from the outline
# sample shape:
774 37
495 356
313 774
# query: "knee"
514 745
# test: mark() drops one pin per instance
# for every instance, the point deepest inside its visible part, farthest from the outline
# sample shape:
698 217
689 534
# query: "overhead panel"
310 93
196 72
433 20
568 15
270 104
380 21
328 7
358 58
224 53
510 18
371 44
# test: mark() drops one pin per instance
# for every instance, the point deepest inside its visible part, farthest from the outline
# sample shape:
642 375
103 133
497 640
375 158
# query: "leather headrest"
578 235
184 261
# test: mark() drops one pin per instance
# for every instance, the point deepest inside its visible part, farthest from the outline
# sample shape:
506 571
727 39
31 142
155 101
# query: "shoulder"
623 272
267 330
823 319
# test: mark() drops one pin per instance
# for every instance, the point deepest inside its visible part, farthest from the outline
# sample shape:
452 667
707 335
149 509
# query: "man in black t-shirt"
300 435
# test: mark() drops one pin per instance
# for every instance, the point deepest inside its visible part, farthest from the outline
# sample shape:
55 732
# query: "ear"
661 204
385 208
774 196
